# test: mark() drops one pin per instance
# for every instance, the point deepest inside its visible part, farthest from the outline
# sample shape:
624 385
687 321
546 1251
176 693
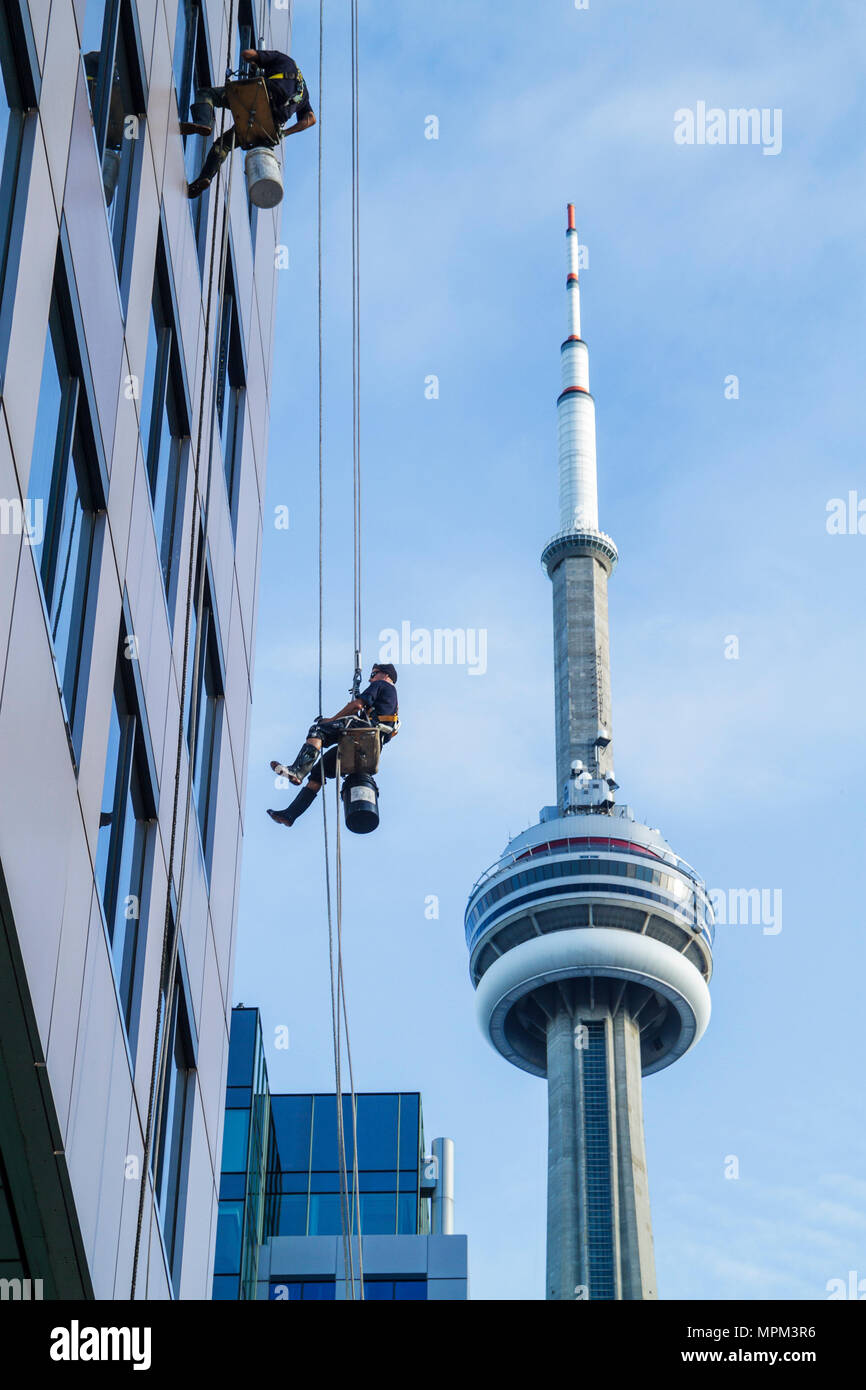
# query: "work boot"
110 174
197 187
202 114
297 808
194 128
304 762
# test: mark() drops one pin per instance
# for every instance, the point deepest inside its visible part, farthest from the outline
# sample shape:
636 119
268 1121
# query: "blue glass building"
280 1233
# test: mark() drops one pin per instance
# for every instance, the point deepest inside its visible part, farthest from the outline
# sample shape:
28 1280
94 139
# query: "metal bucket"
360 803
264 180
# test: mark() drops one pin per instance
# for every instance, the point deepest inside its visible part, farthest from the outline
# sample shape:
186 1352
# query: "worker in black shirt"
378 703
288 96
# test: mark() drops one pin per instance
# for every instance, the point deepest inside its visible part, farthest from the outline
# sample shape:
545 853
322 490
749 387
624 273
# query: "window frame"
231 394
171 398
197 70
20 72
121 28
211 665
77 440
137 782
181 1031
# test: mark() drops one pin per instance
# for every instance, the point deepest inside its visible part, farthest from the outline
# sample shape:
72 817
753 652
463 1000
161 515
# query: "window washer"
377 704
288 96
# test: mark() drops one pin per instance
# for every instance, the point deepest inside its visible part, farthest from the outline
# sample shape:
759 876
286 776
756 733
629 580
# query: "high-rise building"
115 400
590 940
282 1217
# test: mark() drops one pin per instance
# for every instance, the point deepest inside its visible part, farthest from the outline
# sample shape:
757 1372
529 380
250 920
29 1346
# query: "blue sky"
704 261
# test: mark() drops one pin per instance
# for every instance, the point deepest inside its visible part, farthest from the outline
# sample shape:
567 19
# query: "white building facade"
105 366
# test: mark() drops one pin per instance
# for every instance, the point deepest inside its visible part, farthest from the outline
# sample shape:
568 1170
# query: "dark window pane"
233 1186
325 1148
294 1182
326 1182
414 1290
409 1137
171 1172
378 1213
407 1214
242 1047
378 1290
377 1131
226 1286
11 129
325 1214
235 1141
317 1292
228 1241
291 1219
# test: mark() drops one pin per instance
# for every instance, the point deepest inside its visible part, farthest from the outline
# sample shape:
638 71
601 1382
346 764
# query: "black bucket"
361 803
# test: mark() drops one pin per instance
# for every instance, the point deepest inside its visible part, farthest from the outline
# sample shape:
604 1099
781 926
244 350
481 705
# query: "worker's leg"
318 734
202 109
305 798
218 151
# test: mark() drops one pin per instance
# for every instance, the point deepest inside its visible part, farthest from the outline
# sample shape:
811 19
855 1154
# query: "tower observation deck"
590 940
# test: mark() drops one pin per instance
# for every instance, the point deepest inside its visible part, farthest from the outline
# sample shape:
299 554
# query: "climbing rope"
171 928
333 961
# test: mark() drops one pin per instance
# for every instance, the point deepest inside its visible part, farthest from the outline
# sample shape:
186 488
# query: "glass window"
378 1213
325 1214
172 1166
191 70
291 1219
414 1290
325 1155
226 1286
233 1186
235 1141
121 845
231 391
164 431
230 1224
242 1047
409 1138
246 35
205 704
59 486
378 1290
117 103
377 1131
12 106
407 1214
315 1292
292 1116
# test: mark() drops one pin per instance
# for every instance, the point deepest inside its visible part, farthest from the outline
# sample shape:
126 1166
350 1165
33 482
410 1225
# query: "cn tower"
590 939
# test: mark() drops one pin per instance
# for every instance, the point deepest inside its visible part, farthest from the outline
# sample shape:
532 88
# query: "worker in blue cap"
376 705
288 96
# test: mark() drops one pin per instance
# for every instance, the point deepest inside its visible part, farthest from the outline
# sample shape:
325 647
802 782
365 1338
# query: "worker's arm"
302 123
351 708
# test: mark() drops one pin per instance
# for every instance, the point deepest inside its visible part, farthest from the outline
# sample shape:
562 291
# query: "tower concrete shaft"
599 1234
581 656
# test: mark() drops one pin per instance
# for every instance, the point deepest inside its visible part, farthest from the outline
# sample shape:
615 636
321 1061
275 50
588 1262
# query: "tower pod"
361 803
264 180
